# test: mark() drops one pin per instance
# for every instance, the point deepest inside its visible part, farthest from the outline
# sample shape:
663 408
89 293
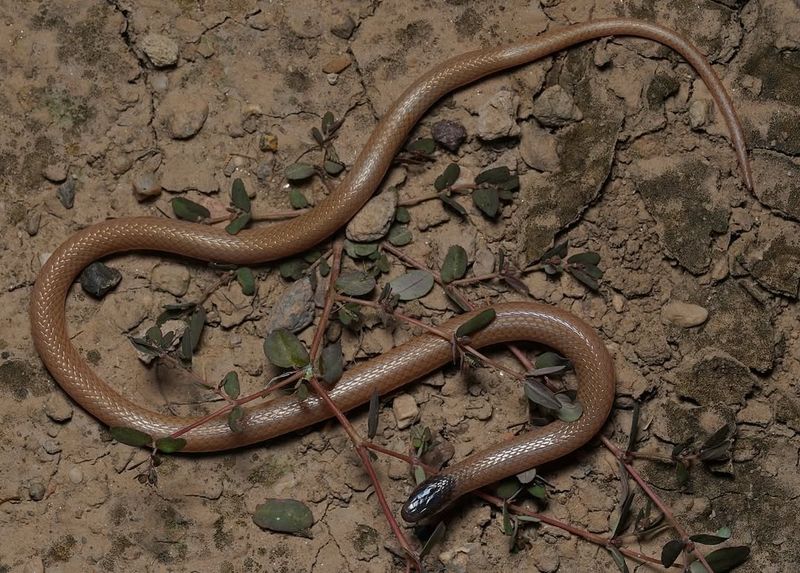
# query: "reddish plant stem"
668 515
316 343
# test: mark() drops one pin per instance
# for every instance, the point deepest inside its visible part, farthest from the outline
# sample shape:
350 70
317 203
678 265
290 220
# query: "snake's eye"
430 497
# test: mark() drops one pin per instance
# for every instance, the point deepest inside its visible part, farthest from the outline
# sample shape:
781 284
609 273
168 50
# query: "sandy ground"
619 149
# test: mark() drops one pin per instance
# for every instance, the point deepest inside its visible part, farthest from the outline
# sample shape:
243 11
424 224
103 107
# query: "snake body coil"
515 321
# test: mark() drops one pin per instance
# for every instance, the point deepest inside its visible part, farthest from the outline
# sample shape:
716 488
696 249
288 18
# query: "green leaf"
402 215
723 534
239 196
327 121
452 204
425 146
130 436
317 135
584 259
292 268
487 200
436 537
412 285
448 177
332 167
507 488
196 324
170 445
372 416
331 365
230 384
355 283
186 346
154 335
538 491
283 515
550 359
189 210
296 199
722 560
558 251
349 315
419 475
360 250
235 419
585 278
246 279
507 187
455 264
399 235
476 323
618 558
299 171
540 394
495 175
239 223
569 411
285 350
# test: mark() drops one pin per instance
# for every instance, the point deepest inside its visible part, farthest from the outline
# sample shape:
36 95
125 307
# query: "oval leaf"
332 167
619 559
452 204
412 285
130 436
239 196
285 350
170 445
402 215
722 560
569 411
426 146
196 324
455 264
299 171
476 323
239 223
235 418
283 515
495 175
297 200
245 278
331 364
399 235
355 283
189 210
372 416
584 259
230 384
487 200
549 359
540 394
448 177
293 268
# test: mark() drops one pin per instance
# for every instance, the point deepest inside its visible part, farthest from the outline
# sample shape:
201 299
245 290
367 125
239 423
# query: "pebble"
161 50
343 27
32 222
337 64
538 147
55 172
263 171
405 410
699 111
373 220
618 302
98 278
497 118
684 314
259 21
36 490
75 475
52 447
146 186
184 115
449 134
294 310
66 193
58 408
171 278
333 79
554 107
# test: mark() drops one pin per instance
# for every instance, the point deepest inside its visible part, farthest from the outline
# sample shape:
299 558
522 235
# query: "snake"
515 321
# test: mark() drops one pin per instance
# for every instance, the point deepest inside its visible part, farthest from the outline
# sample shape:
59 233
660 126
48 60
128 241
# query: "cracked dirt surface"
640 171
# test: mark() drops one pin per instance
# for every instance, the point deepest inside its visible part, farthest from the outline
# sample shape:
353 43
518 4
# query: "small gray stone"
554 107
343 27
52 447
185 120
55 172
405 410
294 309
66 193
699 112
32 222
538 147
684 314
75 475
161 50
263 171
97 279
449 134
373 220
497 118
36 490
58 408
259 21
171 278
146 186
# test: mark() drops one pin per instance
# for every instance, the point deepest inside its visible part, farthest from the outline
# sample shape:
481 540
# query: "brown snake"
423 354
